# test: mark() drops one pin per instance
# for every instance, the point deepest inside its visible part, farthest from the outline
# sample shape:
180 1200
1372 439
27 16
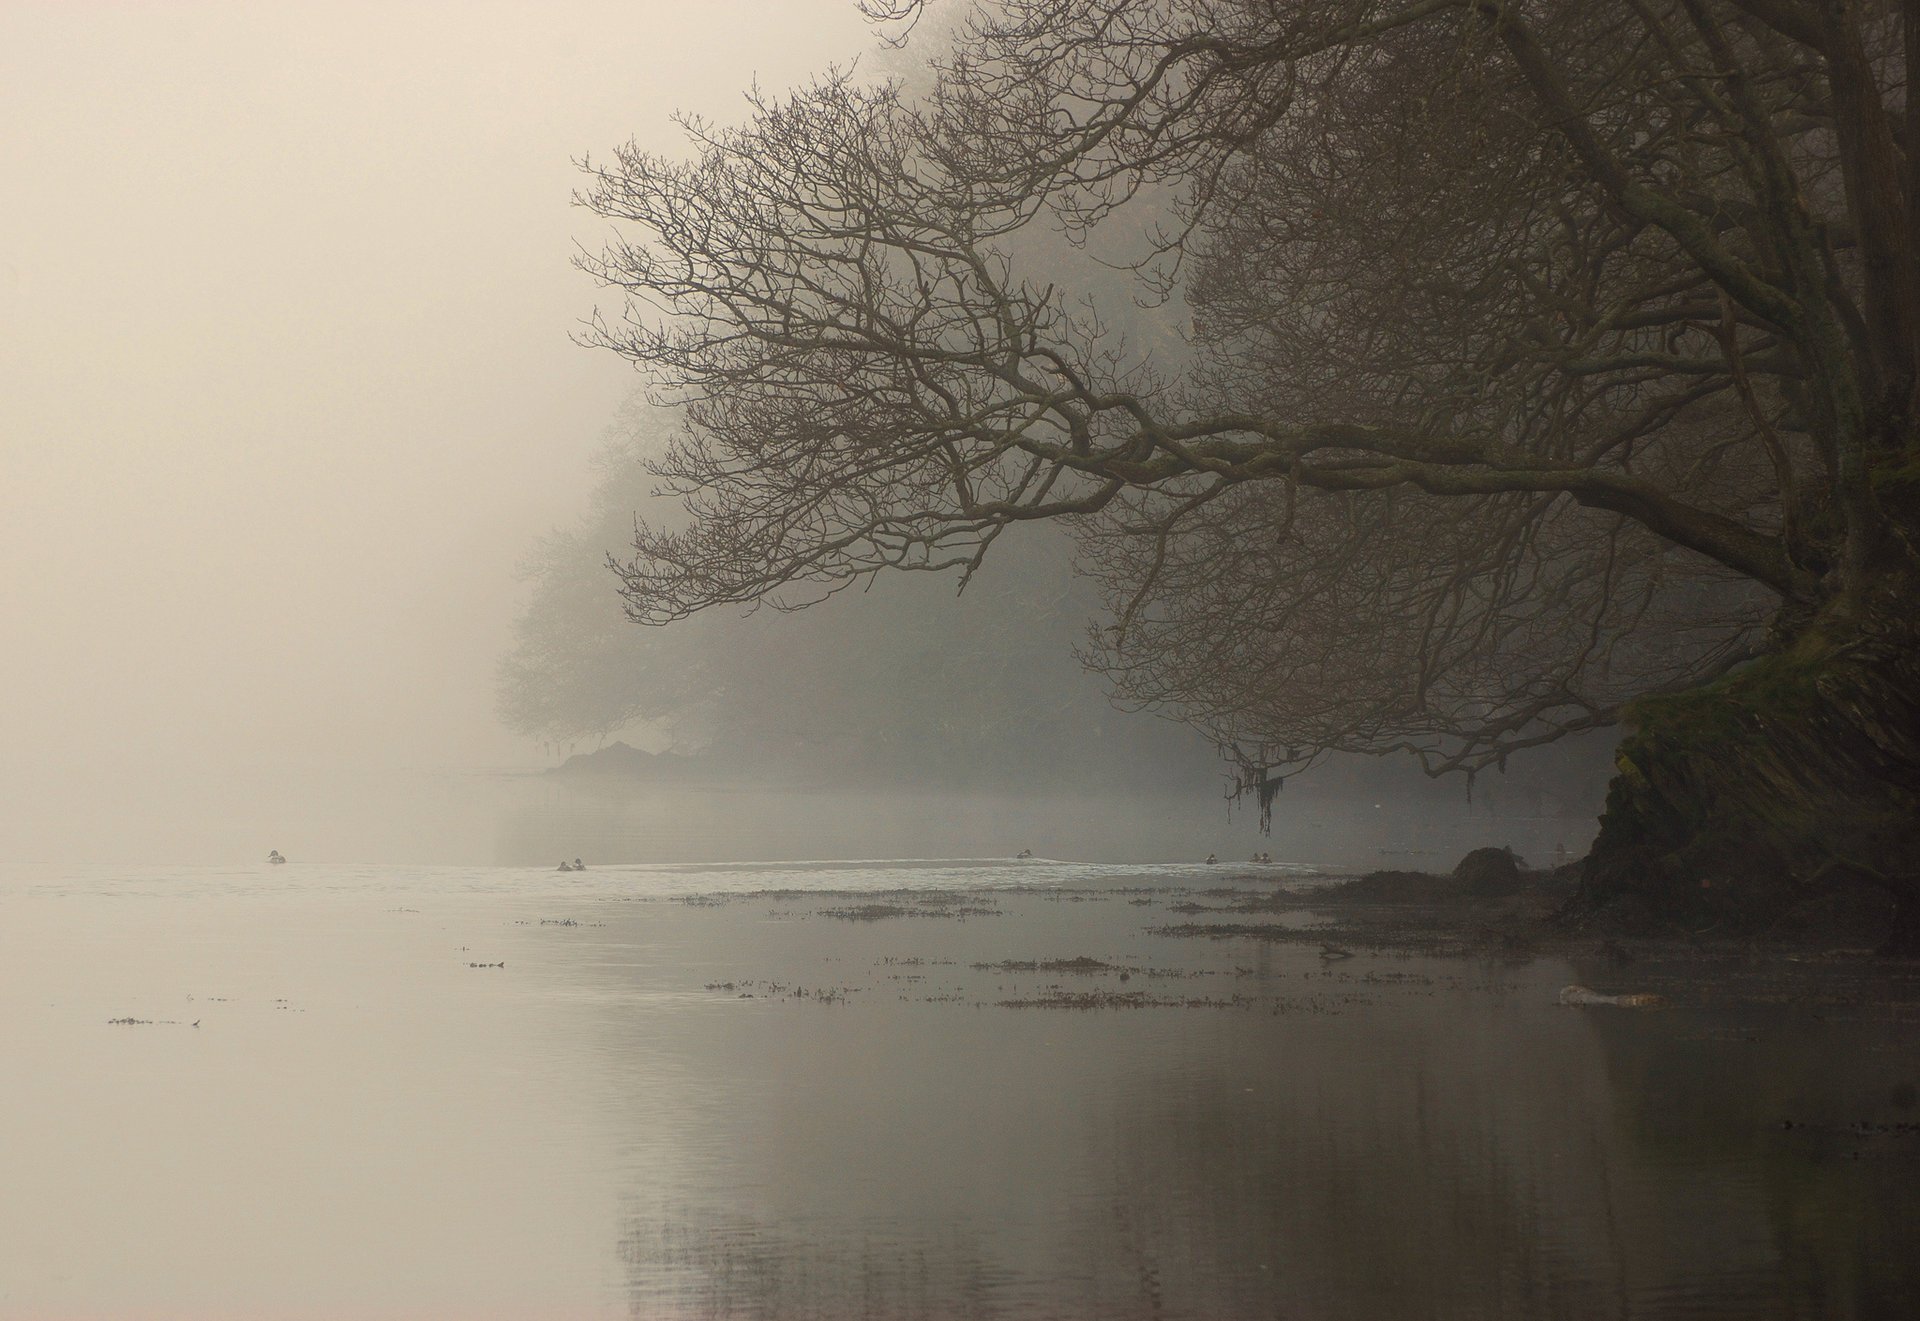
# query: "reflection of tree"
1449 1156
1456 1146
1428 1158
692 1261
1713 1094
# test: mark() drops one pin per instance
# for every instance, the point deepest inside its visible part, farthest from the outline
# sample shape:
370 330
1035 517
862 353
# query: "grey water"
855 1090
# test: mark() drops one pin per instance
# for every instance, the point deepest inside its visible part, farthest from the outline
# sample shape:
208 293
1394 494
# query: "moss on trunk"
1744 806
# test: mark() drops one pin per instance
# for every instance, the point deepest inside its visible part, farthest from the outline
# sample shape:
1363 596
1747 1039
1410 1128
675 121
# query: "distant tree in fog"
576 671
1543 357
898 680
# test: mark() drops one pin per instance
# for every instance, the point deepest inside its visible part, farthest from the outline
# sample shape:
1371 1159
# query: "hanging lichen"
1254 774
1268 789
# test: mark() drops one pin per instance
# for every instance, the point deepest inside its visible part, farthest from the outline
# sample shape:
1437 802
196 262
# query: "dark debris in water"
1896 1140
761 989
1254 930
1860 1128
1084 965
1092 1000
881 912
1057 998
130 1021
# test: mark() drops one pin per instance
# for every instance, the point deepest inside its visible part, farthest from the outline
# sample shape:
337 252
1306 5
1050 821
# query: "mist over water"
519 818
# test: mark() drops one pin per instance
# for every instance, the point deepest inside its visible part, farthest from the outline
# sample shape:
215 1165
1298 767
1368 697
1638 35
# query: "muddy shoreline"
1349 933
1828 960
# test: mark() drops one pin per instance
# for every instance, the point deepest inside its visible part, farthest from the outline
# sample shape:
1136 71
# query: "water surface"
856 1089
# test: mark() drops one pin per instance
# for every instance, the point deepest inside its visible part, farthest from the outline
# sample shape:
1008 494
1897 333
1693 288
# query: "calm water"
712 1092
113 814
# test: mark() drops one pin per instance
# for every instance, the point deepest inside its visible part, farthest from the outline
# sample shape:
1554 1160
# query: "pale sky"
286 387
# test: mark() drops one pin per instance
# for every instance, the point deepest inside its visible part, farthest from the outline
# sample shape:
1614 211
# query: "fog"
291 391
287 378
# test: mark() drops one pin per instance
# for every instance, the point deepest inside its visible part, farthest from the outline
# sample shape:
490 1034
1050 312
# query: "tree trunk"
1785 798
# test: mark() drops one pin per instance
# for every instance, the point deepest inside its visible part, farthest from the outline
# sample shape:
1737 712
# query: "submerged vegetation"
1435 377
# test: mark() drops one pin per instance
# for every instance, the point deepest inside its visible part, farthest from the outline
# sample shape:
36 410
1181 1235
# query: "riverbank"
1492 904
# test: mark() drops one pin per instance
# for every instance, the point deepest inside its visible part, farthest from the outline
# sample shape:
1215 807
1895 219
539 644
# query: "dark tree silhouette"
1546 366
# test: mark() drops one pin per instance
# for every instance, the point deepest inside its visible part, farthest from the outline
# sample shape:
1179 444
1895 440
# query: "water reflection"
736 1105
713 1262
1406 1139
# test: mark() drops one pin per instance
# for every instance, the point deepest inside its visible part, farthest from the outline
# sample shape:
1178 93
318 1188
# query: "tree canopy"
1535 356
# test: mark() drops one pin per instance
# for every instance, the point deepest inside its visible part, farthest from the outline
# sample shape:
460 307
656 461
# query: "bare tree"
1548 364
